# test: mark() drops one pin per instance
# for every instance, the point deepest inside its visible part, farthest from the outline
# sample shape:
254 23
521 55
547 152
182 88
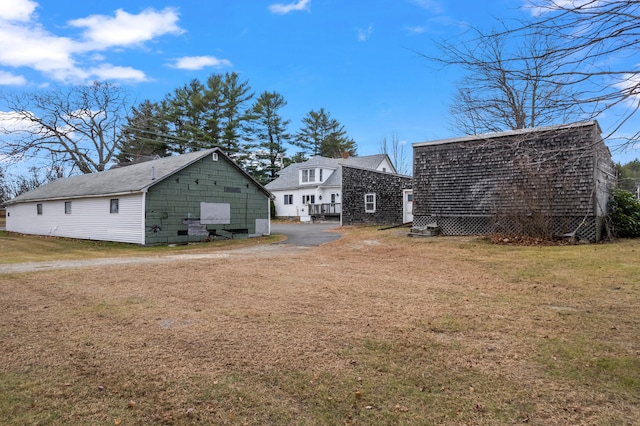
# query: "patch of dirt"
523 240
259 250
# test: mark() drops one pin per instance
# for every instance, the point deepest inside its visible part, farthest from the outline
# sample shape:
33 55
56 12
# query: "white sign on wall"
215 213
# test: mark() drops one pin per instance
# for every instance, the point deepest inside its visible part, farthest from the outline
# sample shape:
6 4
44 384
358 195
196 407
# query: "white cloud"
17 10
541 7
125 29
282 9
630 85
12 122
31 46
432 5
25 43
418 29
199 62
363 35
110 72
8 79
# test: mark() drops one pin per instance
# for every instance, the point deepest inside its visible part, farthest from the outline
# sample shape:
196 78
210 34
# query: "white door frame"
407 206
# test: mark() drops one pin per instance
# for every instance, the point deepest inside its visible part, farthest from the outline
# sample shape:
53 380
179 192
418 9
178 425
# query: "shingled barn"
550 180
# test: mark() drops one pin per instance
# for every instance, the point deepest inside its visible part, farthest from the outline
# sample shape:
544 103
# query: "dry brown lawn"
375 328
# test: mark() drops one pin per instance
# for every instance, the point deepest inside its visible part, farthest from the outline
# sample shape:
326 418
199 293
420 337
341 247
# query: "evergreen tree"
203 116
269 131
213 104
236 94
145 134
184 117
325 136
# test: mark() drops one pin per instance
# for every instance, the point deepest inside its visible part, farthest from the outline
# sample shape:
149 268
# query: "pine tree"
185 118
269 133
145 134
325 136
236 94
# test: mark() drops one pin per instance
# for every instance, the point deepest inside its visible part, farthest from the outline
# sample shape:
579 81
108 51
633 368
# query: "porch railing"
325 209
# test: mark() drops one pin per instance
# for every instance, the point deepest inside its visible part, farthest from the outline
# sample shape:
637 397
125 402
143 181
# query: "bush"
624 214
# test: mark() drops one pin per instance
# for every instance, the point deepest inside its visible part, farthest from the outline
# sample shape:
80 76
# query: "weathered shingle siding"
178 198
605 179
475 178
388 188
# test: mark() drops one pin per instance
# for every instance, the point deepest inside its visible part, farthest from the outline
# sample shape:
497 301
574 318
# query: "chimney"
345 155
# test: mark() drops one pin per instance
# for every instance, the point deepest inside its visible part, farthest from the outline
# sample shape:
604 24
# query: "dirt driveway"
300 237
258 251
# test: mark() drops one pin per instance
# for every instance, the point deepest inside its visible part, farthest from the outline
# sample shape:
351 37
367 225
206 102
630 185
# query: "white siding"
90 219
285 210
297 208
385 166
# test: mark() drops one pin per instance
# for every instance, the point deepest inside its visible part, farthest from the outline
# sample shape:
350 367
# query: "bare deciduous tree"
596 51
573 59
397 152
13 185
79 126
5 193
505 85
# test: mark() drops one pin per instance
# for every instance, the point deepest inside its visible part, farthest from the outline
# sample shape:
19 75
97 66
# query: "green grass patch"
17 248
573 264
592 364
378 388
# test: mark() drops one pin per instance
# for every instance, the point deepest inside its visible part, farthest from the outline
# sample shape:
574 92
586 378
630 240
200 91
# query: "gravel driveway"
307 234
299 237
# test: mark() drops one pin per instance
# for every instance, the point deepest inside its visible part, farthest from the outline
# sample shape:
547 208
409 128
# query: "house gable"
294 189
174 206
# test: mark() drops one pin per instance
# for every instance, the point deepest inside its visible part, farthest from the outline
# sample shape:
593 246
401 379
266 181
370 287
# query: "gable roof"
288 177
122 180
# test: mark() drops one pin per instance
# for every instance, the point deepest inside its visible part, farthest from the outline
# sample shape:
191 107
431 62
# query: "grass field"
16 248
375 328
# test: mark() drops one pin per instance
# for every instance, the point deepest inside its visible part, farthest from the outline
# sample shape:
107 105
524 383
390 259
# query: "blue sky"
355 58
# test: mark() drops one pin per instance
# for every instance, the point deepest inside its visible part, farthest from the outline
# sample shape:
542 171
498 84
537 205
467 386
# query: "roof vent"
214 156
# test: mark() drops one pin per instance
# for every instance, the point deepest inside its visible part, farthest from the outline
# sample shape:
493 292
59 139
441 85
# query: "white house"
314 187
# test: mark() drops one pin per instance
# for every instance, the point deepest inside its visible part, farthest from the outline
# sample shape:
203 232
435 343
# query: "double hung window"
370 203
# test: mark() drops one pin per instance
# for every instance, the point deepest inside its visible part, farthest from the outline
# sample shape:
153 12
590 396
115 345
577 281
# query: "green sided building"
186 198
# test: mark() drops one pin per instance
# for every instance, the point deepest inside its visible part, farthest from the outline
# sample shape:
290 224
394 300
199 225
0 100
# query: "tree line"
223 112
87 128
